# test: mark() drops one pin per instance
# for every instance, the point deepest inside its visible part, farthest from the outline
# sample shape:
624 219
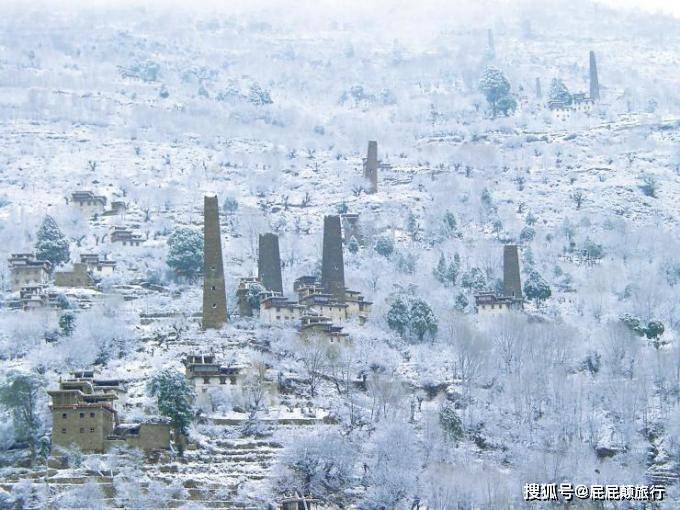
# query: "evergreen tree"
353 245
559 92
450 422
422 320
461 302
536 288
449 227
173 397
412 317
230 205
439 271
473 279
23 395
52 245
384 246
185 251
398 316
506 105
527 234
412 225
253 296
447 272
496 87
67 323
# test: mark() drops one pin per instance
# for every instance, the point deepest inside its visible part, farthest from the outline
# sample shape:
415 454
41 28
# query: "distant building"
371 165
117 207
88 203
214 293
488 303
26 271
276 309
297 502
321 326
79 276
34 297
205 374
85 414
96 266
126 236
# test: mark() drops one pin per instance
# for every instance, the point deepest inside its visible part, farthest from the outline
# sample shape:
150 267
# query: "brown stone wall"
214 293
269 262
81 429
371 167
332 265
512 285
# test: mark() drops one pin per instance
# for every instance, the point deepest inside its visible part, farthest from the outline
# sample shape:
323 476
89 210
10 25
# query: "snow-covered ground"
271 108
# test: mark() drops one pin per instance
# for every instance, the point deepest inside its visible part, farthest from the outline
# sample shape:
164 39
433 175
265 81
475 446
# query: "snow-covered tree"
496 87
52 245
384 245
536 288
173 397
23 395
185 252
559 92
412 317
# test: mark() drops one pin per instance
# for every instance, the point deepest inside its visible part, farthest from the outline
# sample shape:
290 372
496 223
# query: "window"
91 429
206 380
63 431
223 380
82 415
214 305
63 415
82 430
213 288
92 415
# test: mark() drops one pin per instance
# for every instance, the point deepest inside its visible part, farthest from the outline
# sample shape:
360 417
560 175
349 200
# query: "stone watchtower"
332 265
269 263
512 285
371 164
594 83
214 293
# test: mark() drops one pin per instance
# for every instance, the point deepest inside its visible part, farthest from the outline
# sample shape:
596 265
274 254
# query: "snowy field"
271 107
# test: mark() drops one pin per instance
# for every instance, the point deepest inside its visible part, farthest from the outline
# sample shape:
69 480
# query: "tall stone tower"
269 263
539 94
332 264
512 285
371 167
594 83
492 45
214 293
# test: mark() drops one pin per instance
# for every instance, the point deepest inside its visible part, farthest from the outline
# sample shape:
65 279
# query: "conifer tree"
52 245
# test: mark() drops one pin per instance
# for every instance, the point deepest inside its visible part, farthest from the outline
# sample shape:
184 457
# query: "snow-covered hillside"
271 106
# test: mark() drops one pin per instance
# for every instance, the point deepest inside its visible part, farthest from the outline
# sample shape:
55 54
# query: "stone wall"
512 285
332 266
214 292
269 263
